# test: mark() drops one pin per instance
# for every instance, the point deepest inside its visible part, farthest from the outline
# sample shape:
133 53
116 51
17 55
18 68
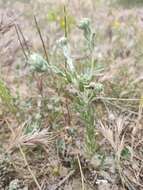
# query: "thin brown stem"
24 40
19 39
42 40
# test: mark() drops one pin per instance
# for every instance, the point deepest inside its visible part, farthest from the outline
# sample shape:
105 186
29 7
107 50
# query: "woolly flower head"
62 41
37 63
84 23
64 45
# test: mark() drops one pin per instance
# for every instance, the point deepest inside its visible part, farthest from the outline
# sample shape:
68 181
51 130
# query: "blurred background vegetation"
130 3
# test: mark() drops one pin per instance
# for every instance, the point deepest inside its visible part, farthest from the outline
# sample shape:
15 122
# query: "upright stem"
66 35
40 34
65 29
21 44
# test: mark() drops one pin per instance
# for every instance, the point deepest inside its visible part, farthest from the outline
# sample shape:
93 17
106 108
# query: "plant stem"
28 167
66 35
40 34
81 173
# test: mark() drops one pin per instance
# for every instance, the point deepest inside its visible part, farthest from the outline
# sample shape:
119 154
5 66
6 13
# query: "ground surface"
43 136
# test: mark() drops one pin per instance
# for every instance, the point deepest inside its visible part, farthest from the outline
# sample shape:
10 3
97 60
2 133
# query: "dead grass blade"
114 135
15 135
43 138
108 134
81 173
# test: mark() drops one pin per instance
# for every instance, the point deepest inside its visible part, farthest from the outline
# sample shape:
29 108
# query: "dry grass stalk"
43 137
81 173
18 139
114 136
24 156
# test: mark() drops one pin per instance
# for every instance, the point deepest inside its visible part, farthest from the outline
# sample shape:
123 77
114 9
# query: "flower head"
37 63
84 23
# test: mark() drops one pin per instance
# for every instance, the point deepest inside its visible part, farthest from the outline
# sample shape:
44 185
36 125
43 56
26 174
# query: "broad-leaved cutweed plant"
81 81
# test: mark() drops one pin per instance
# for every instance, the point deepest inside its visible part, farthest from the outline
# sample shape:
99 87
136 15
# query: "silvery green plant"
64 45
85 26
84 105
70 72
81 81
89 35
38 63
